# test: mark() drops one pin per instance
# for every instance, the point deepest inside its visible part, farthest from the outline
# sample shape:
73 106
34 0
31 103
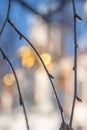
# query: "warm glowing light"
25 51
9 79
46 58
28 61
27 56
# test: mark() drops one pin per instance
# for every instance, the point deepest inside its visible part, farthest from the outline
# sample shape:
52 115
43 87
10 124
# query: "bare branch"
75 17
65 126
8 12
19 91
75 63
36 52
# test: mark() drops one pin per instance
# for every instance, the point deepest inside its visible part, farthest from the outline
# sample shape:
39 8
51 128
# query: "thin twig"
75 16
8 12
38 55
19 91
75 63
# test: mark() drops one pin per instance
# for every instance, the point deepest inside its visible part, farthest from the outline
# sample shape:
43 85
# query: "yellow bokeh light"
28 61
46 58
25 51
27 56
9 79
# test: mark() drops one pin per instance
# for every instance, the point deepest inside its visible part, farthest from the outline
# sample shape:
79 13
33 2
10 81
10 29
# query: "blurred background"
48 25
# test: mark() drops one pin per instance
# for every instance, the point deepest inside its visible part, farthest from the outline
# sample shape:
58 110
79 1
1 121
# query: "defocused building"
49 38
